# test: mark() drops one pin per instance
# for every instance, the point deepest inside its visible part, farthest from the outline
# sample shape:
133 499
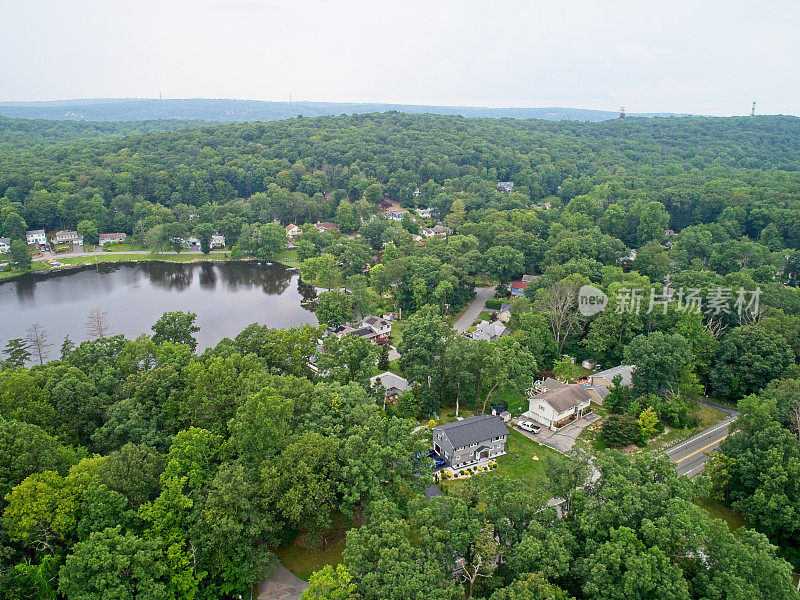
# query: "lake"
225 296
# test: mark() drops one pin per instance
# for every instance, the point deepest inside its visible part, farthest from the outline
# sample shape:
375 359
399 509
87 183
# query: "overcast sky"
701 56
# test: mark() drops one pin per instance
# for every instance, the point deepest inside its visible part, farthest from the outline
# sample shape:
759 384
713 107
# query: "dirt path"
282 585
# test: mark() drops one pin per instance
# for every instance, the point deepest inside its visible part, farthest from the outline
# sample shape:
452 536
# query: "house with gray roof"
394 386
489 331
553 403
471 440
5 245
600 383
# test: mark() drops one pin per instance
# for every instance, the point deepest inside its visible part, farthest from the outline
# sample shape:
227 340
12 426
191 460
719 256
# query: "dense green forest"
140 468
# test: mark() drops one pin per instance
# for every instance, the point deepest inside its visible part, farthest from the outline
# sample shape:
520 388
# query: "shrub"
494 303
620 430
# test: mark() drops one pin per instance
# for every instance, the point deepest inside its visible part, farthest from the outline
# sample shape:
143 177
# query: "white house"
505 186
425 213
111 238
292 231
36 236
378 325
553 403
439 230
324 226
5 245
217 240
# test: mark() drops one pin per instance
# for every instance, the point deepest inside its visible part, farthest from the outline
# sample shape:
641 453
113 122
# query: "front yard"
524 459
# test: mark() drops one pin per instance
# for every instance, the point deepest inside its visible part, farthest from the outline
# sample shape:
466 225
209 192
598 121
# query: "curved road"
690 455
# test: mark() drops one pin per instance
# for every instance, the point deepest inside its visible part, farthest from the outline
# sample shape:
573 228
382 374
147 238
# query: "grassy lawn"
123 247
524 459
720 511
397 333
289 257
485 315
35 266
303 561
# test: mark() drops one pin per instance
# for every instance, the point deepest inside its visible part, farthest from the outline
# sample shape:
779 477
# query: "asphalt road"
690 456
482 294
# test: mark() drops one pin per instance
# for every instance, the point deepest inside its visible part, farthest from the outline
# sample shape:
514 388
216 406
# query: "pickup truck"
529 426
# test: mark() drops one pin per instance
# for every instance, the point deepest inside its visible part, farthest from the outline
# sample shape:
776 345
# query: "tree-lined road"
467 318
690 456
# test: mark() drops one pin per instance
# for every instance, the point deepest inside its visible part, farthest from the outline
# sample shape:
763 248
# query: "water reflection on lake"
226 297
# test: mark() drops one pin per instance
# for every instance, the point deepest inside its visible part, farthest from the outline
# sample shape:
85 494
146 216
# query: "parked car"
529 426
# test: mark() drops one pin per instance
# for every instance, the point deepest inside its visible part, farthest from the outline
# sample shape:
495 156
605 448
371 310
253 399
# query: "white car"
529 426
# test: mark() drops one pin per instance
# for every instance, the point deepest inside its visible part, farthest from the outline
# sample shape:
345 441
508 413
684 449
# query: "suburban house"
67 237
553 403
489 331
36 236
600 383
518 288
111 238
390 316
528 278
378 325
504 315
292 231
425 213
5 245
323 227
471 440
505 186
439 230
217 240
394 386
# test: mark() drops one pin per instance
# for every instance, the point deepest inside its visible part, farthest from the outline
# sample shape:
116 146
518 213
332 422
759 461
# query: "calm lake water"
225 296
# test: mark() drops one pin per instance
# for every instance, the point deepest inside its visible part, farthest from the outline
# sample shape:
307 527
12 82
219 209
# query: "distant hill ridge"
139 109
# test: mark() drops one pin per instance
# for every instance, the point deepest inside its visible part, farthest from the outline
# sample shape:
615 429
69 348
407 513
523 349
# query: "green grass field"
720 511
303 560
524 459
170 257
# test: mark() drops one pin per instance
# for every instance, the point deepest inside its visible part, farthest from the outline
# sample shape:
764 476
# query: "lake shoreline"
69 269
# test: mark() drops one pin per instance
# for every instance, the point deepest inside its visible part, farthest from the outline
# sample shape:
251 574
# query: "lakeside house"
111 238
471 440
36 236
217 240
292 231
67 237
393 385
378 325
554 403
5 245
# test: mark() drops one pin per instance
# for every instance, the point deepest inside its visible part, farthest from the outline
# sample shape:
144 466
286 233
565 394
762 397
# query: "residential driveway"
564 439
482 294
282 585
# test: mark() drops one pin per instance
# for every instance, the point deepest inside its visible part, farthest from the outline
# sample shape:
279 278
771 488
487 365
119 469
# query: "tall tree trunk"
486 400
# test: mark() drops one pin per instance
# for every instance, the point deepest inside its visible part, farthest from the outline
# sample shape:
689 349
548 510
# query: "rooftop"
390 380
565 398
473 430
625 370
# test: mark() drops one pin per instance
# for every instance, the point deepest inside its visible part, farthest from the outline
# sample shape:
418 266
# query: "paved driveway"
564 439
467 318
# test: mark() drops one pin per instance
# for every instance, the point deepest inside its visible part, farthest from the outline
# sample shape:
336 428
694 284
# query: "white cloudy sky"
702 56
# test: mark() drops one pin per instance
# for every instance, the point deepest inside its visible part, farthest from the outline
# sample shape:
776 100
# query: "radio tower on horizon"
753 110
621 112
